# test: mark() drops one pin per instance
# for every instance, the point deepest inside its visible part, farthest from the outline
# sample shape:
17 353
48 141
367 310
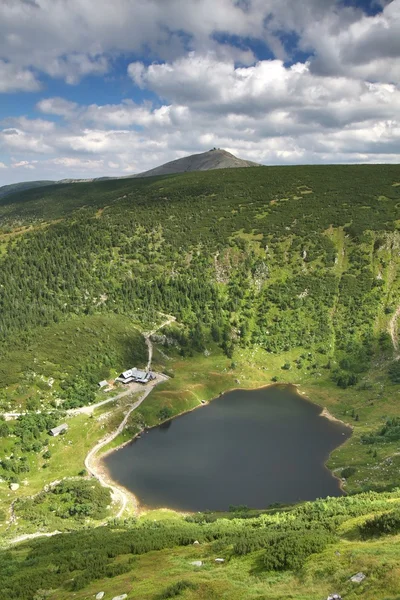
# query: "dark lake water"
253 447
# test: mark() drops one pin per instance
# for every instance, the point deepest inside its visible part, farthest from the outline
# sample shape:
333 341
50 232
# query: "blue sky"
91 88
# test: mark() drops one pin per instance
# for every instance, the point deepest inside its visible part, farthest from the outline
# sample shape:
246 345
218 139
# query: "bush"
165 413
176 589
348 472
394 372
289 551
388 523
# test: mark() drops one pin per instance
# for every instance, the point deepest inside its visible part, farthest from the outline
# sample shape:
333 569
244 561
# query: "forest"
296 266
281 257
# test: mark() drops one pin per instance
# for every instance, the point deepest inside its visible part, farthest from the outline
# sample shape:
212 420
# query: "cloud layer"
326 89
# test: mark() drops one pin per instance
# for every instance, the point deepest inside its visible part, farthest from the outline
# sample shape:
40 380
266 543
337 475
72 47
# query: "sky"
92 88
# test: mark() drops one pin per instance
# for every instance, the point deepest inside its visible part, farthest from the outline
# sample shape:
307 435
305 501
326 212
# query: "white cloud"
77 65
3 166
129 114
367 47
74 38
25 142
57 106
78 163
23 163
28 125
288 98
16 79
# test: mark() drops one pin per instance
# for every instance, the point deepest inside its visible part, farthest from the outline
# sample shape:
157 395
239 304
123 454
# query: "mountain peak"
216 158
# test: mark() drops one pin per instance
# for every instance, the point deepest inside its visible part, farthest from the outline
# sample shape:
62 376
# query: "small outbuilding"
103 384
59 429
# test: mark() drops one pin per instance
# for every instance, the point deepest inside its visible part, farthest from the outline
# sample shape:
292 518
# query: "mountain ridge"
216 158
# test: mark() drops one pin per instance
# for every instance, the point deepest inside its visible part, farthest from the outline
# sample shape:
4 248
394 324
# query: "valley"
217 280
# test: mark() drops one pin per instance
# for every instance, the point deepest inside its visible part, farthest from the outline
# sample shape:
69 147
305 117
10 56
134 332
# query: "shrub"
388 523
165 413
348 472
289 551
176 589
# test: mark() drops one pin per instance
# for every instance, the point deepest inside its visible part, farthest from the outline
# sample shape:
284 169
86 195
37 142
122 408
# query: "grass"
240 578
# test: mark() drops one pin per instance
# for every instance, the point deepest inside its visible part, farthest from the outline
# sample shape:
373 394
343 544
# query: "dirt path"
90 461
147 336
87 410
91 465
393 331
31 536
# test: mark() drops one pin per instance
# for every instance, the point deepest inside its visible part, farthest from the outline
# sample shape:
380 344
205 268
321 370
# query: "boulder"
100 596
14 487
358 578
334 597
219 560
197 563
121 597
196 543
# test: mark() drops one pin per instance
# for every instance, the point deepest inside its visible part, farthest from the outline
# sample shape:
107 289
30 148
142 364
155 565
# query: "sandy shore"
327 415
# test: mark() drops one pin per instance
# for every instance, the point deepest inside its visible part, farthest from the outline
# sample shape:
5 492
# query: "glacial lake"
247 447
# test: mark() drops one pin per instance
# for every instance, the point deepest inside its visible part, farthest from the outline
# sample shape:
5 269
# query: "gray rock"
121 597
100 596
219 560
196 543
358 578
334 597
197 563
14 487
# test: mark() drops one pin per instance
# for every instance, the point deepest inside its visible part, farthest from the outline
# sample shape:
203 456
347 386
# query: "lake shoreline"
140 508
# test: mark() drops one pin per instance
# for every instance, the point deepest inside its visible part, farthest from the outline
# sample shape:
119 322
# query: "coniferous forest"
300 264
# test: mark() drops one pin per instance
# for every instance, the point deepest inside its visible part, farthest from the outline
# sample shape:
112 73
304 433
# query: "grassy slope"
202 377
244 576
323 574
62 350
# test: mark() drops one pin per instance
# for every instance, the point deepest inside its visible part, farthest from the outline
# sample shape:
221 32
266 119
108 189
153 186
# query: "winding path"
91 465
90 461
170 319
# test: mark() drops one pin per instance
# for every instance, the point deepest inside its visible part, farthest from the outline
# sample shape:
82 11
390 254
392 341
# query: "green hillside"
273 274
304 553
